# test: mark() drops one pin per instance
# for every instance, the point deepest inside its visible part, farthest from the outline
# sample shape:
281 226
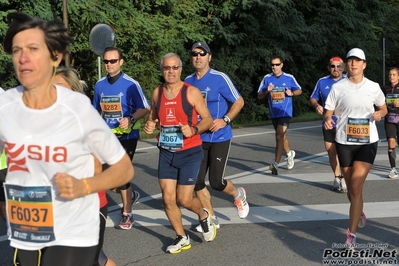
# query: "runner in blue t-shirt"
218 91
280 87
121 102
319 95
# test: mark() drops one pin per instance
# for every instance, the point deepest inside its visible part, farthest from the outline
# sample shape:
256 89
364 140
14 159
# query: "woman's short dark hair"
55 34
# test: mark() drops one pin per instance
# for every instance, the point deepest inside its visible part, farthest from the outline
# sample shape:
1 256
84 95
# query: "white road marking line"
268 214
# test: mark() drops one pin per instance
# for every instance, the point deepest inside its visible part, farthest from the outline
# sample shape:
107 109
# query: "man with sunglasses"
121 102
279 88
218 91
317 100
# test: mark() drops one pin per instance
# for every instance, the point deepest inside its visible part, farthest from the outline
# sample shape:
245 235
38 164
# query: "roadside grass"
302 118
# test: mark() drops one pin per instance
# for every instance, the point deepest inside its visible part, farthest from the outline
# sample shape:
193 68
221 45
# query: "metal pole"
383 61
99 67
65 16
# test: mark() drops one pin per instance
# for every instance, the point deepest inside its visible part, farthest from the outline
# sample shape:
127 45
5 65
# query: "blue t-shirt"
322 89
118 100
280 105
218 90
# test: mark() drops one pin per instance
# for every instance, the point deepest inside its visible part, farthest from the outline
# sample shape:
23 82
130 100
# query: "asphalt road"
294 217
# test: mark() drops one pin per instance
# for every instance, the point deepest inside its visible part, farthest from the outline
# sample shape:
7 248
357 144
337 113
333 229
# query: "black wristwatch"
226 119
132 120
195 130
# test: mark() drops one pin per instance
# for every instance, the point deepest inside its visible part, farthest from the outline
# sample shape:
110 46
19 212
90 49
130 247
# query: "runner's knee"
218 186
199 186
185 202
124 187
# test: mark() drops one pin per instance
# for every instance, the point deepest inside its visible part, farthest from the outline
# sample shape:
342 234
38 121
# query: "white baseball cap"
356 52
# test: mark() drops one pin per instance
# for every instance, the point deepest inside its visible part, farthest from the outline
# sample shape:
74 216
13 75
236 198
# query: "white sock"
240 194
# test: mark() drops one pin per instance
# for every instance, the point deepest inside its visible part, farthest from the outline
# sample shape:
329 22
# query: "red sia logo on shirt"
34 152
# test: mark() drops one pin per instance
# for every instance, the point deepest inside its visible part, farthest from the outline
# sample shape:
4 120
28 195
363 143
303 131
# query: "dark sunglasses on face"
167 68
275 64
112 61
202 53
335 66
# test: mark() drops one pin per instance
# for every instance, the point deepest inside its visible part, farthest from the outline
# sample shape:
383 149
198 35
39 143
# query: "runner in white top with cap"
353 100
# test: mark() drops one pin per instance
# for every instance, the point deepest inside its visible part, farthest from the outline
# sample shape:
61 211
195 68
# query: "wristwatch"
226 119
132 120
195 130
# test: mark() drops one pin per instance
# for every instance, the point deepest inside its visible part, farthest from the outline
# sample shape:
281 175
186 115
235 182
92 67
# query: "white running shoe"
242 204
179 244
336 185
215 221
342 185
290 160
393 173
208 227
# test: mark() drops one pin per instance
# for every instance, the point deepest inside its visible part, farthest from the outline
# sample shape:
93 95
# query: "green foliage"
243 36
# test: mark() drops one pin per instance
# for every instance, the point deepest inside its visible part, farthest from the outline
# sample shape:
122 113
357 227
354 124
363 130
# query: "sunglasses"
335 66
167 68
112 61
202 53
275 64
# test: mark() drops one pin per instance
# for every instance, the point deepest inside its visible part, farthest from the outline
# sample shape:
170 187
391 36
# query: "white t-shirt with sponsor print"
354 108
39 143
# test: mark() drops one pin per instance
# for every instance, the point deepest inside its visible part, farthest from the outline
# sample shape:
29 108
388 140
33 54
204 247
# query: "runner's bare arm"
152 117
235 108
380 113
116 175
231 114
328 121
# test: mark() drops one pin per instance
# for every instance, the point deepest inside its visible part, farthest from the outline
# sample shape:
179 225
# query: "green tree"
243 36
